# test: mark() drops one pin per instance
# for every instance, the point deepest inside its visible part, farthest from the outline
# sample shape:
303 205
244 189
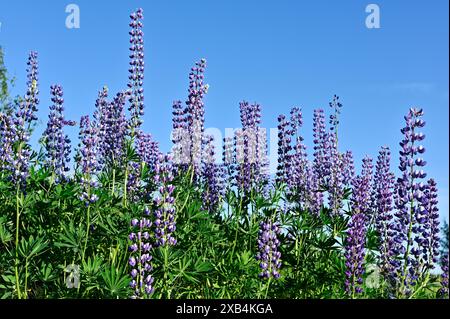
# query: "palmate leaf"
91 274
202 266
7 285
46 272
71 237
32 247
5 235
116 281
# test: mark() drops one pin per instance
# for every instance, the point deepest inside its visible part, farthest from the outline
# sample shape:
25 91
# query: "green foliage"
215 252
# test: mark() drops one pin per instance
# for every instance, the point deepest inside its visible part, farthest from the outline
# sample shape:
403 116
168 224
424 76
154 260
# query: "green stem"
267 288
87 233
424 283
411 216
17 242
237 227
25 295
166 267
113 181
125 182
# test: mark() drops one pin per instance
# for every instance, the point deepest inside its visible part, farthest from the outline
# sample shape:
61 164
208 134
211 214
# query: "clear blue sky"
278 53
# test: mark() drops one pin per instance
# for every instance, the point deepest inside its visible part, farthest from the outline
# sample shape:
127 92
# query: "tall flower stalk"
284 150
89 167
356 236
268 255
195 117
135 95
23 120
212 176
408 201
136 71
140 259
57 144
383 187
164 201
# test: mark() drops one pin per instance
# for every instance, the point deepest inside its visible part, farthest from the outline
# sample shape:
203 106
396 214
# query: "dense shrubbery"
136 222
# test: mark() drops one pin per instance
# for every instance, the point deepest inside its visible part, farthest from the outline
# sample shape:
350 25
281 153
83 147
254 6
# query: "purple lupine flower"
408 201
134 180
117 128
298 169
252 161
88 160
382 200
361 194
101 115
284 150
136 70
112 127
8 137
180 135
319 135
334 118
24 119
195 116
315 196
213 177
367 174
296 120
354 253
348 172
57 144
243 178
147 149
164 201
229 160
363 186
148 152
140 259
298 175
268 255
355 243
26 114
443 291
427 228
367 168
335 168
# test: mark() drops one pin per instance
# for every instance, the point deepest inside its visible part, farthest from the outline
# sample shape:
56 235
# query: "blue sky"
277 53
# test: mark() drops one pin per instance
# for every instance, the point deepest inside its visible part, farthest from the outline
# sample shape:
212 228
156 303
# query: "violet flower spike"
24 120
140 259
57 144
284 150
136 71
212 176
409 201
269 256
164 222
88 161
382 194
195 117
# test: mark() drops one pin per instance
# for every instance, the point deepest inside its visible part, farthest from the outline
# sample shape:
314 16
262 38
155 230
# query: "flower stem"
267 288
87 233
125 182
17 242
113 181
